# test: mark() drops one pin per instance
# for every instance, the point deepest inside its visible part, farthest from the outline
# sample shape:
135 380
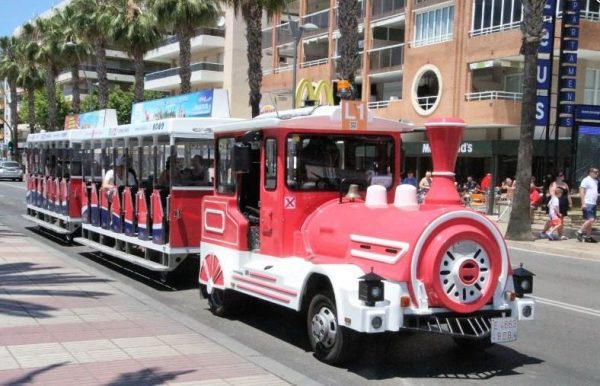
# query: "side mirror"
241 158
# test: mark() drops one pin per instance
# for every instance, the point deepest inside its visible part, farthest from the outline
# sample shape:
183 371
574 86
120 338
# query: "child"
556 222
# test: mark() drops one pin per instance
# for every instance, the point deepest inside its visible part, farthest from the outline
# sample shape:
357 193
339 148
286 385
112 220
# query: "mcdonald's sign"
307 91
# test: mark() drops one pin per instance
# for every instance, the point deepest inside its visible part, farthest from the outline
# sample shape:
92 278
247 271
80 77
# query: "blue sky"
13 13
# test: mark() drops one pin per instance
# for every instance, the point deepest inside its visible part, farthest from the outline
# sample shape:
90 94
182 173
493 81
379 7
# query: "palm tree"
93 21
348 14
519 225
73 48
252 11
136 31
29 77
9 70
182 17
49 57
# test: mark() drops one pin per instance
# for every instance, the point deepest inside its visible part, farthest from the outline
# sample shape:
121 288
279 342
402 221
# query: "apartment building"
424 58
218 61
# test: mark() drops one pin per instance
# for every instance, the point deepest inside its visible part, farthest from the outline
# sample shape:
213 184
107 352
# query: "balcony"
386 59
493 107
167 80
205 39
384 8
87 71
487 95
320 19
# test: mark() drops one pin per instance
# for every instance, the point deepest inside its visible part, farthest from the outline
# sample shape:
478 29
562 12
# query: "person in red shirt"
534 200
486 182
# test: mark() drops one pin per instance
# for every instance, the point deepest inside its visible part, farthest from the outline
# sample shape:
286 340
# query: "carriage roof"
308 118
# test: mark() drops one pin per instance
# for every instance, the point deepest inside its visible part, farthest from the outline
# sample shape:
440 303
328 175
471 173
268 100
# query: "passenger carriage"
53 182
153 224
312 217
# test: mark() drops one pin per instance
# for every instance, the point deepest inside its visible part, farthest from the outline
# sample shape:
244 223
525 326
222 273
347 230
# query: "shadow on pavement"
58 239
29 377
148 376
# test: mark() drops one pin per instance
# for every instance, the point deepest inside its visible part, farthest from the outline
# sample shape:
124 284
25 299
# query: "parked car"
11 170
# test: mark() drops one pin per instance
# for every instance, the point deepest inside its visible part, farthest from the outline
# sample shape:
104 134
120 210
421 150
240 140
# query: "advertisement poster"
588 150
91 120
197 104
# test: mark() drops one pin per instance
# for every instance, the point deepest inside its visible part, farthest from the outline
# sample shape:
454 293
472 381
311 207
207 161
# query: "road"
560 347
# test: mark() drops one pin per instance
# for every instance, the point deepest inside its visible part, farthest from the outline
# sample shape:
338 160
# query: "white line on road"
567 306
554 254
13 185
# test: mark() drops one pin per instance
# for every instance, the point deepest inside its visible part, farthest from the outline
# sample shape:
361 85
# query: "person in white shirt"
555 221
115 177
588 191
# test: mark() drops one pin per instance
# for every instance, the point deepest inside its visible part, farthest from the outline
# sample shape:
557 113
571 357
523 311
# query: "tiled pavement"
61 325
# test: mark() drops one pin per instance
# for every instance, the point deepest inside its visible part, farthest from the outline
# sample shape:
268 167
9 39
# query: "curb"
538 246
268 364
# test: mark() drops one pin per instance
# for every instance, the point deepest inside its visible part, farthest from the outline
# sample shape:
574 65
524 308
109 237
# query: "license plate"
504 330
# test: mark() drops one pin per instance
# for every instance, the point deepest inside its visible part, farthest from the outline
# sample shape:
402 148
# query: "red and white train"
281 227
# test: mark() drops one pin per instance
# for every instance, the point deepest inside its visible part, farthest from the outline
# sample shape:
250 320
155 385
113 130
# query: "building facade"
423 58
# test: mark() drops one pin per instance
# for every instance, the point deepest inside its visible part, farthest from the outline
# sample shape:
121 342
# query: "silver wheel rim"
464 271
324 327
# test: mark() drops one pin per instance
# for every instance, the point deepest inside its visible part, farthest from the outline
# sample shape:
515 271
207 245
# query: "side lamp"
523 281
370 288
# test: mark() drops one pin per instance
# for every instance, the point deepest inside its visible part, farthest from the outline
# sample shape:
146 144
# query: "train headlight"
370 288
523 281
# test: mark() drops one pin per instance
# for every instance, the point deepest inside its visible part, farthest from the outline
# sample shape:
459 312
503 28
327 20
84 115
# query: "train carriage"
54 181
152 219
311 216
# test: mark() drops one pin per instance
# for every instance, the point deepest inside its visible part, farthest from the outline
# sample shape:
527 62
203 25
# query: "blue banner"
542 110
196 104
587 112
547 35
549 7
544 74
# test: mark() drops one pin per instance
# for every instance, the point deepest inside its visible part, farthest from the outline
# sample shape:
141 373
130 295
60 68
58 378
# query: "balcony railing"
487 95
93 68
386 57
383 8
320 19
199 31
202 66
267 38
284 35
313 63
378 104
495 28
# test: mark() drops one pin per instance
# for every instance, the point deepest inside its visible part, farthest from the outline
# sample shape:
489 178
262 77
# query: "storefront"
476 158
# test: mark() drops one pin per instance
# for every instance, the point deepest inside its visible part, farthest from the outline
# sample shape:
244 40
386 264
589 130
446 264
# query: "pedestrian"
410 179
486 182
565 202
534 201
425 183
555 218
588 191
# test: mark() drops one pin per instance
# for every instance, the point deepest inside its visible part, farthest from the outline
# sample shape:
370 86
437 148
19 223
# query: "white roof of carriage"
177 127
318 118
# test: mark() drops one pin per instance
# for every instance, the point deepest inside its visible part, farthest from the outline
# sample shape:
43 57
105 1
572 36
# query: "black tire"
331 343
69 238
473 345
203 292
222 302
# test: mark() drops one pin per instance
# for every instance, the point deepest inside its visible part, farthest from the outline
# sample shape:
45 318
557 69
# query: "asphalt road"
560 348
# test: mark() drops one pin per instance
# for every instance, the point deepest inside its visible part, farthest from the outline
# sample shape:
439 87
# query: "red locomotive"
280 227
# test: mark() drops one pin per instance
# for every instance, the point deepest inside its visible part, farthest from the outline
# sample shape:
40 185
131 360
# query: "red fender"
128 213
142 214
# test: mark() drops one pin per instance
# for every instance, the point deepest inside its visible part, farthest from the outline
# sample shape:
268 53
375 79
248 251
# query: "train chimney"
445 136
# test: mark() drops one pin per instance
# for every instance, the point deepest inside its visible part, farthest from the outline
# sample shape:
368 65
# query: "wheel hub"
464 272
324 327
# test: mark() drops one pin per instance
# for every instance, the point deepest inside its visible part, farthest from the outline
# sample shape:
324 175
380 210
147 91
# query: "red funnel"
445 136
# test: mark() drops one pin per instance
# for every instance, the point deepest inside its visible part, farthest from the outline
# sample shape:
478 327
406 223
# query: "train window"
270 163
322 162
194 162
225 174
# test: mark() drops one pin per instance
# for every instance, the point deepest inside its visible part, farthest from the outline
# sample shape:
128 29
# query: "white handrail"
487 95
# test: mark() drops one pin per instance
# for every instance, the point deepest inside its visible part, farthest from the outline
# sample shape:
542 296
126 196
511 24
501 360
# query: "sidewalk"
571 247
64 323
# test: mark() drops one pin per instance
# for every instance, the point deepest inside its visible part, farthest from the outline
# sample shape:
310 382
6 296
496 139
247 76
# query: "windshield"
322 162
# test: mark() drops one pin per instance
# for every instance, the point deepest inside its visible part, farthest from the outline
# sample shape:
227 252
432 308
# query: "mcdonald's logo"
321 94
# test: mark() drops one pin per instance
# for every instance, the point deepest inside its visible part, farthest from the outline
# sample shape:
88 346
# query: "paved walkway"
64 323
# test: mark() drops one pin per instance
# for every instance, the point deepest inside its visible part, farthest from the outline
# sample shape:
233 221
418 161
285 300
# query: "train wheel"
220 300
330 342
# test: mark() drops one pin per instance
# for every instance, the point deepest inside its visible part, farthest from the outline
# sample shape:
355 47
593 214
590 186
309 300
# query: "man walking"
588 191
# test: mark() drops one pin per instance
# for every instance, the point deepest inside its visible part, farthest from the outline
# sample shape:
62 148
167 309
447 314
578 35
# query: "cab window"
226 182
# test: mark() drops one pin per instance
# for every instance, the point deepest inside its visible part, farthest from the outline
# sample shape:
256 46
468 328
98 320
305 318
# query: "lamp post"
296 29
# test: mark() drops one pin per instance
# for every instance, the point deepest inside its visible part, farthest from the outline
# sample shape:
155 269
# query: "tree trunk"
14 119
252 13
51 91
185 53
102 77
138 63
76 102
519 225
31 108
348 14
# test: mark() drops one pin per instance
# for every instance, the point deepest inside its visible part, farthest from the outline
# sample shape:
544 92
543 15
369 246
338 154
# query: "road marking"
13 186
555 254
567 306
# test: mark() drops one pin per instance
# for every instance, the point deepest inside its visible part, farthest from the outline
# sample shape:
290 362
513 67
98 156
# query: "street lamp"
296 29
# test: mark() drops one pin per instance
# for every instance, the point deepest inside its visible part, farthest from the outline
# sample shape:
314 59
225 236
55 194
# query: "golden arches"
306 87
